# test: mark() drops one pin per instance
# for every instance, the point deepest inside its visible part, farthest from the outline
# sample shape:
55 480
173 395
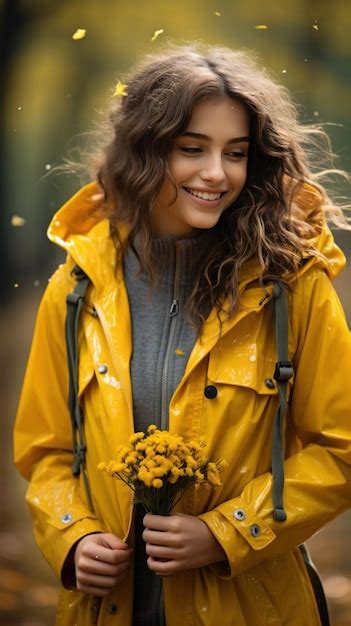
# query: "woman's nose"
213 170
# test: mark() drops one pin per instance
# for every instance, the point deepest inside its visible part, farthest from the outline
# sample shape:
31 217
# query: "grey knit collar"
190 250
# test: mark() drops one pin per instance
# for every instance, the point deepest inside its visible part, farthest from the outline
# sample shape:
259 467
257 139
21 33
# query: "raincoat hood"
84 233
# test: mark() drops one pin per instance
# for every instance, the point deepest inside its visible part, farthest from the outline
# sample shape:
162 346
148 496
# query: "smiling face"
208 163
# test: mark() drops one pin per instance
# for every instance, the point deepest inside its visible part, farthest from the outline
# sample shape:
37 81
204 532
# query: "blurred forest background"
54 87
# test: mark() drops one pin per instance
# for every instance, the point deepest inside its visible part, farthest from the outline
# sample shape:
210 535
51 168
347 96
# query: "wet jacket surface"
264 581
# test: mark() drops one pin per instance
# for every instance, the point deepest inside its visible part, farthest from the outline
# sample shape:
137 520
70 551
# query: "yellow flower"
118 467
213 475
190 461
145 477
157 483
131 458
152 429
149 463
141 446
136 437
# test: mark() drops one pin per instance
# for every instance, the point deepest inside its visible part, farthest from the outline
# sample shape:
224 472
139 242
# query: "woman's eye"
190 149
236 154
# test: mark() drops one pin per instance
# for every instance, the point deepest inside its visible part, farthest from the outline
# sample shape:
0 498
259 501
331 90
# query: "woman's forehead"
223 115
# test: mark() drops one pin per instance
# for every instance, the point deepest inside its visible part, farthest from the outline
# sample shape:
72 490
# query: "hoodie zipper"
173 315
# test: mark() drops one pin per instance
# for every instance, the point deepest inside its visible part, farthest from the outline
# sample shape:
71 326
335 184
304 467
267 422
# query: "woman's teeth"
205 195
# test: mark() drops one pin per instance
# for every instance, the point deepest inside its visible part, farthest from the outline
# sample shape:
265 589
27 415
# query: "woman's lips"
204 201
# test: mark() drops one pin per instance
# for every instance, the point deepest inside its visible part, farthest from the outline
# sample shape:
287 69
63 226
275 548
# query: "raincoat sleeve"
317 477
43 435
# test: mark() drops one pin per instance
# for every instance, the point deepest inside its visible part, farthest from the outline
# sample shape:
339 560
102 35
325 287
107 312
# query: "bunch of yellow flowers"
158 466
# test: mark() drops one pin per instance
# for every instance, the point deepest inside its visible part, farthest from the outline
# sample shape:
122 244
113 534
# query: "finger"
95 580
88 575
106 555
157 522
96 567
160 552
163 568
159 538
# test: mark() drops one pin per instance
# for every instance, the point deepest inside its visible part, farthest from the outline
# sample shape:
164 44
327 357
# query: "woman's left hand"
179 542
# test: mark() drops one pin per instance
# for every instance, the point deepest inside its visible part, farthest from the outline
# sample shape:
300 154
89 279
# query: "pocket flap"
67 518
243 366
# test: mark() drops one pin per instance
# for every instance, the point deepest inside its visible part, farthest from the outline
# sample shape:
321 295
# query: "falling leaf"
157 33
179 352
261 27
218 13
17 220
120 89
79 34
315 26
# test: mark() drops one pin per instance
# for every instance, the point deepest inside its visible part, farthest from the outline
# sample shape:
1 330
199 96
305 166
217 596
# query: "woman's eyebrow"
189 133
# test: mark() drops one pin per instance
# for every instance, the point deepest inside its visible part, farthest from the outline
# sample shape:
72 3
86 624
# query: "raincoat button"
210 392
102 369
269 383
66 518
239 514
112 609
255 530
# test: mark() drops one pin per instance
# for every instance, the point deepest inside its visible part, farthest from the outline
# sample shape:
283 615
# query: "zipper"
173 312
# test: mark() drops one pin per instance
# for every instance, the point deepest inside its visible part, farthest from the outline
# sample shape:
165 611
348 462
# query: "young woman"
204 204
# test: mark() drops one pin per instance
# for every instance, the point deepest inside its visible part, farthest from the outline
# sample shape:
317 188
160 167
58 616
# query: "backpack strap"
283 372
75 303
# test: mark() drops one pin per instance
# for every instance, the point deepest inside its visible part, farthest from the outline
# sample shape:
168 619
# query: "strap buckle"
283 371
73 298
78 273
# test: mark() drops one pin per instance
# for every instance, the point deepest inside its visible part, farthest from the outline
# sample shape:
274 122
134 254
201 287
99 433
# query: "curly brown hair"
264 222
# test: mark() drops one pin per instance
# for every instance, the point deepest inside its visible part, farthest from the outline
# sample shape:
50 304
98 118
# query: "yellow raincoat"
266 581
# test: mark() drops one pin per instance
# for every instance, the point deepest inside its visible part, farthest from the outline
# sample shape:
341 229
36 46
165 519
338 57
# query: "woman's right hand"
101 561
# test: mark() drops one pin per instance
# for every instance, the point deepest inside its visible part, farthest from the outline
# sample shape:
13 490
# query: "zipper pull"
174 308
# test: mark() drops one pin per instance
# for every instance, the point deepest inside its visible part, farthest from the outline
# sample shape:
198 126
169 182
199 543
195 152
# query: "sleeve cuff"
239 530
